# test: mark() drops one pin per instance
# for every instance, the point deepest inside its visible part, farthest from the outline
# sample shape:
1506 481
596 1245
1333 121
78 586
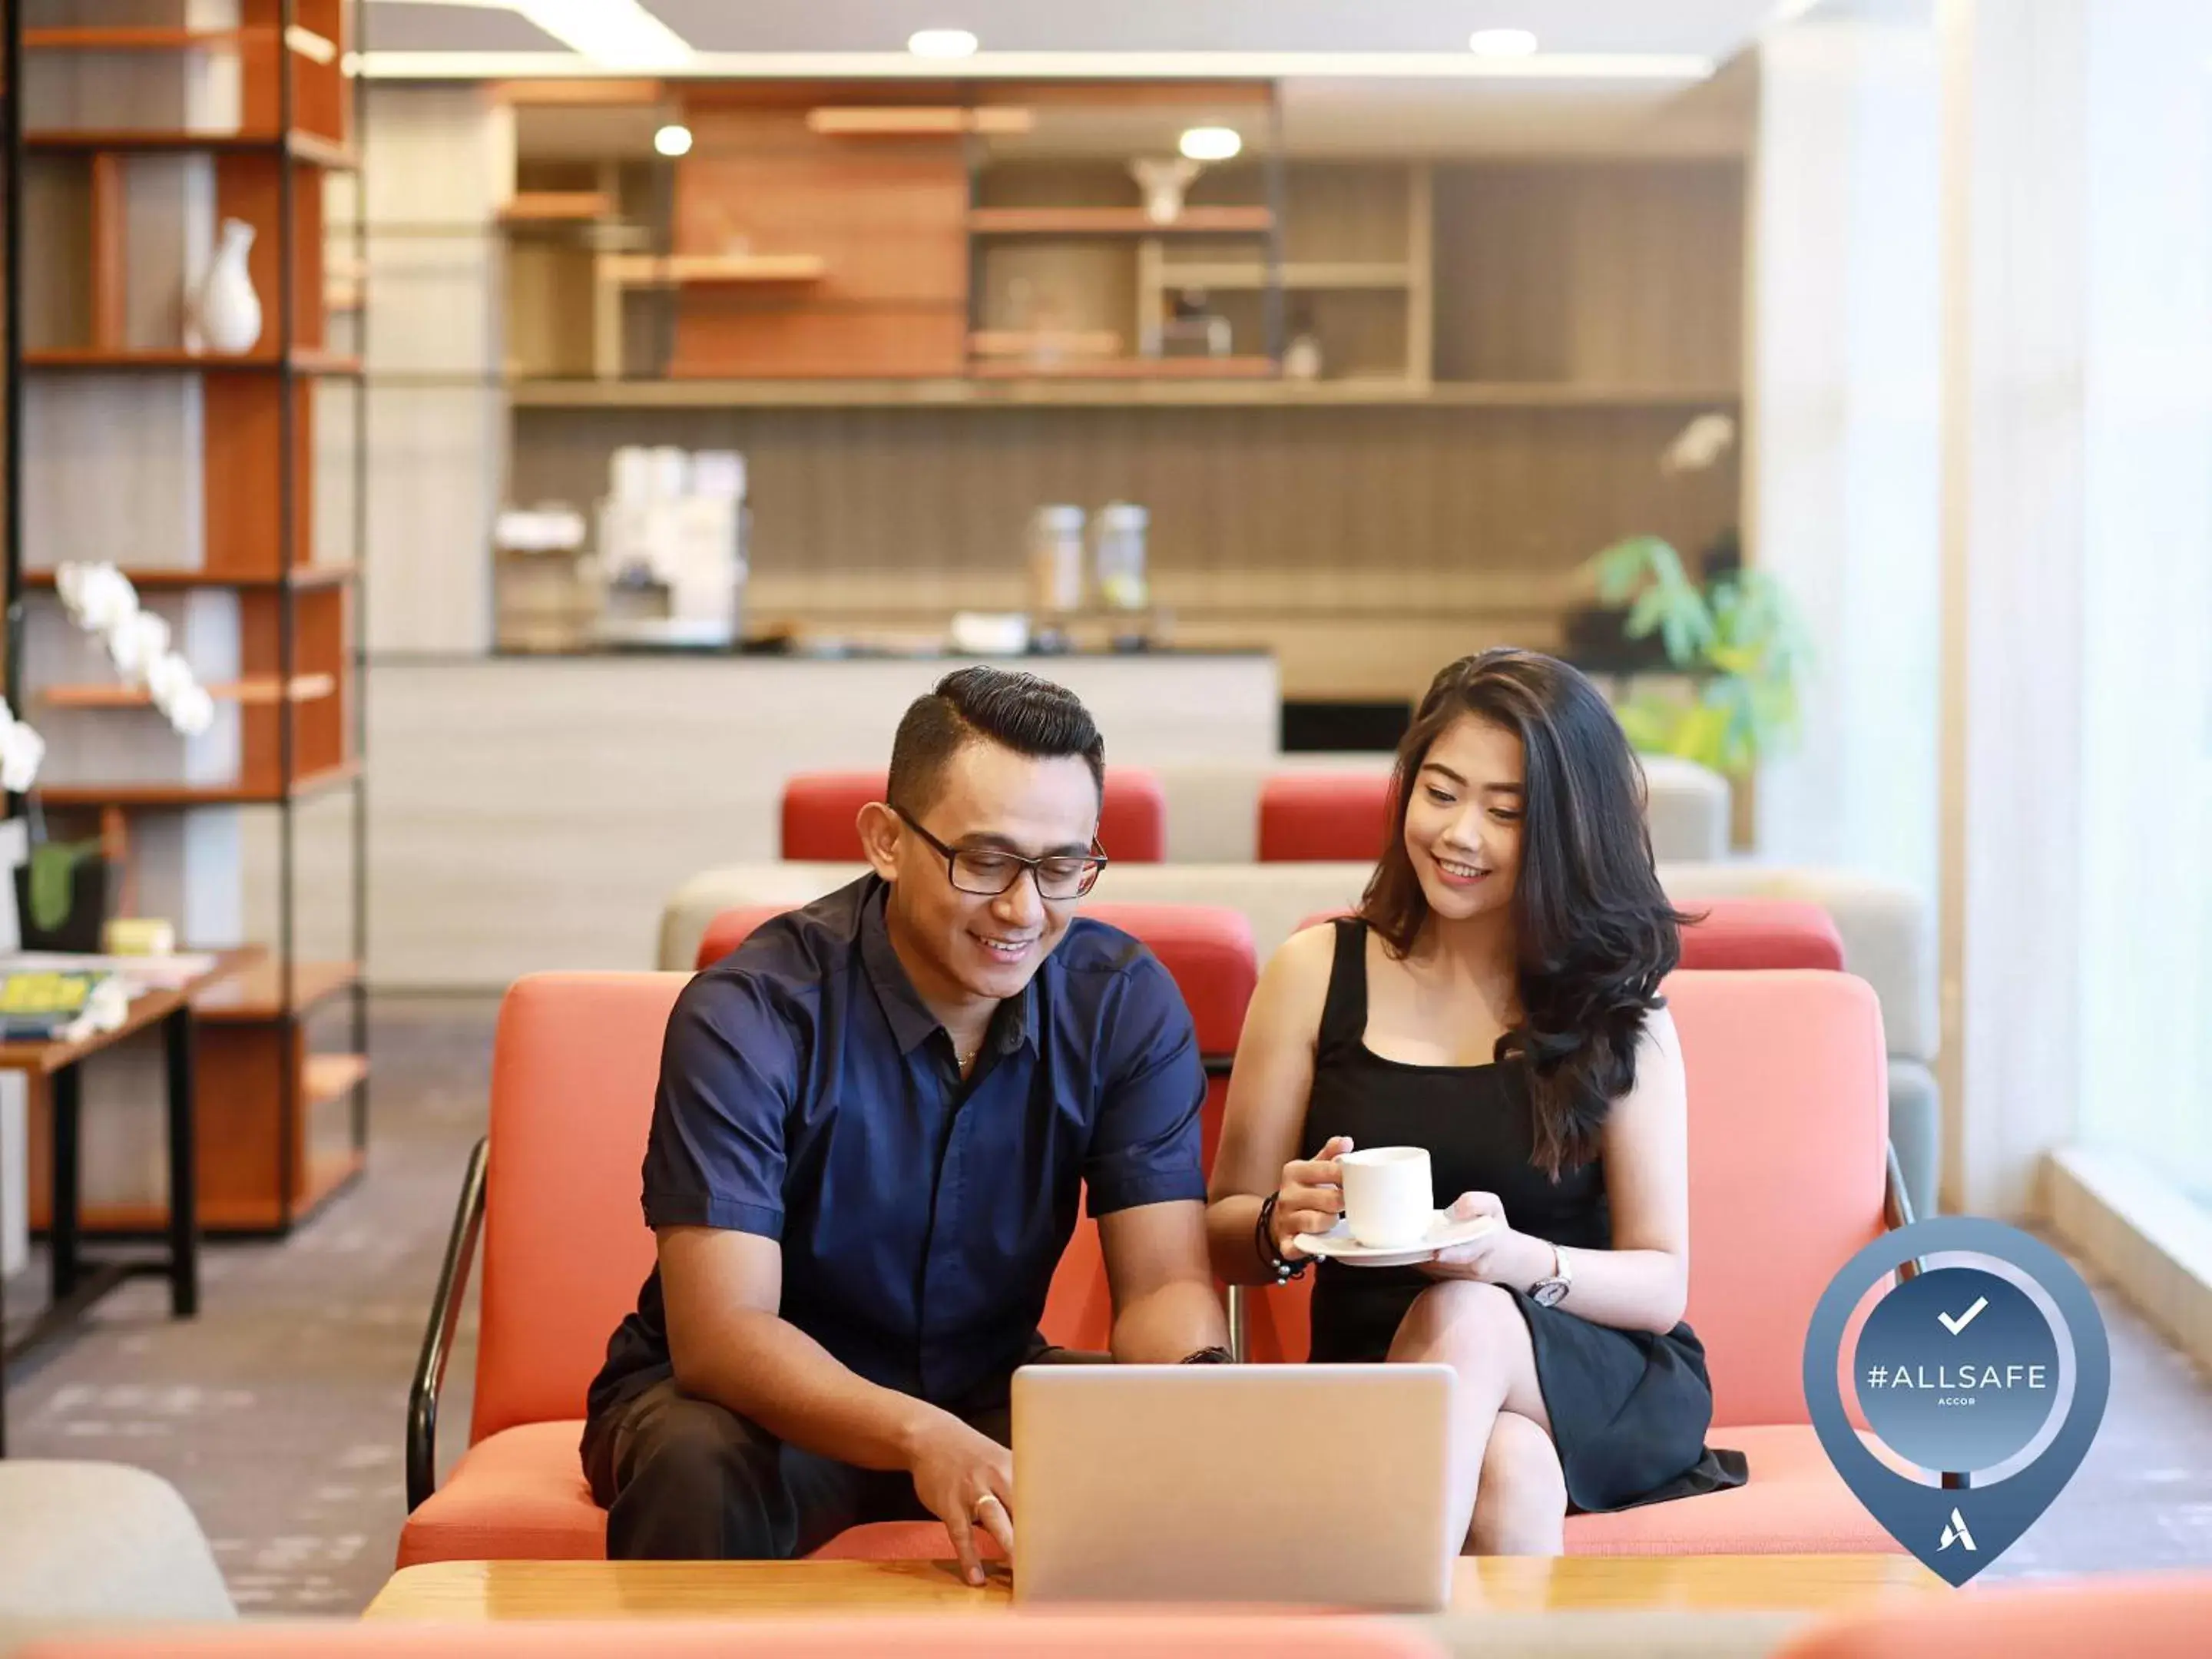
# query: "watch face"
1549 1293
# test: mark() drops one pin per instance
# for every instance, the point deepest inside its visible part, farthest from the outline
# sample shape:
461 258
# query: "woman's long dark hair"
1595 932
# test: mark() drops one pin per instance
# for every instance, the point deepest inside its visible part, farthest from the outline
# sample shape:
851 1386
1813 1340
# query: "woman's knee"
1521 1504
1460 1313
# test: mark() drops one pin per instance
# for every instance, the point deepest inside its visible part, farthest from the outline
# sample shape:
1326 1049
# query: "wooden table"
76 1283
468 1591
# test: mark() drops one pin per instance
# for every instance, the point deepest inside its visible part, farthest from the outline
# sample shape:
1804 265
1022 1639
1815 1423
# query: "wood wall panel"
1345 212
1608 273
108 252
57 282
719 336
889 228
322 93
1059 286
1377 519
243 429
889 218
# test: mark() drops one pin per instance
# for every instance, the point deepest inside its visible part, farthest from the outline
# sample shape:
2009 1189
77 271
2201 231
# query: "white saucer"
1338 1244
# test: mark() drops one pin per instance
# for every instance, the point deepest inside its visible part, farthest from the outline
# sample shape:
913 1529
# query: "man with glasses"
873 1125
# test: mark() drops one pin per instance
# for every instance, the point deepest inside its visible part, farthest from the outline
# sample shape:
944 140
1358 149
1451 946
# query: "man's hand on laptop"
966 1480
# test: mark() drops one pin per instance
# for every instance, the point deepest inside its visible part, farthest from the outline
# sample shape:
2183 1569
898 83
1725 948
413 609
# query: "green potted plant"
1736 639
62 893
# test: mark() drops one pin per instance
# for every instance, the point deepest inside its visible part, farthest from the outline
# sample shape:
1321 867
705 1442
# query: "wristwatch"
1550 1292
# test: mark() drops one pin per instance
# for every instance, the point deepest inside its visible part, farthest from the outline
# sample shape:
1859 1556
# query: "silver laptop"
1320 1484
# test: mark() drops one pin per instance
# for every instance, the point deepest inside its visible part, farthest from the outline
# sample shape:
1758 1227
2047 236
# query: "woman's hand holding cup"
1312 1197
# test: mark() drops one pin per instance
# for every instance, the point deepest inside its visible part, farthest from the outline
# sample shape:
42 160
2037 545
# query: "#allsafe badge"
1958 1370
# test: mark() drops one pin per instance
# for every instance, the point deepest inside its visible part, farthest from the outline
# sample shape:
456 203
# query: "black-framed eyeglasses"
987 871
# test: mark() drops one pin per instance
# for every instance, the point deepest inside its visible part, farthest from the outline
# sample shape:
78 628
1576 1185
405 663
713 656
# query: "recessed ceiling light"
941 42
1211 143
674 139
1502 43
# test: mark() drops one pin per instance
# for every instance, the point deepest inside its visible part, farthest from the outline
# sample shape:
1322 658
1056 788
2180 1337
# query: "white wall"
438 162
2078 552
1842 403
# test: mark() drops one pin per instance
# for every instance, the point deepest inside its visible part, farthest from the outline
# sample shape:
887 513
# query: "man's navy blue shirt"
808 1095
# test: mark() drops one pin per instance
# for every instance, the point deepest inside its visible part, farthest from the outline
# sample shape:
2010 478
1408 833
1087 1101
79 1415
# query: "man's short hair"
1020 712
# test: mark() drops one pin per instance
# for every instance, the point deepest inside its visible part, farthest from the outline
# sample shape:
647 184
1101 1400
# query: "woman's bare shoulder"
1295 982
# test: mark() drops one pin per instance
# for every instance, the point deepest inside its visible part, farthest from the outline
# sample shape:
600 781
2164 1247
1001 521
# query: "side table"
78 1283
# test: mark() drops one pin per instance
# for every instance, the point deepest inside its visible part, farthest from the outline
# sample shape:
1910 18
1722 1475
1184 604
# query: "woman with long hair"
1496 1001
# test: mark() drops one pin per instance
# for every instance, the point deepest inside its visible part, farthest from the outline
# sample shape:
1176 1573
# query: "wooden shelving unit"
986 392
868 236
1506 346
556 207
230 497
258 995
1130 368
1118 221
305 688
150 796
1318 275
308 147
305 361
144 577
328 1078
675 269
912 120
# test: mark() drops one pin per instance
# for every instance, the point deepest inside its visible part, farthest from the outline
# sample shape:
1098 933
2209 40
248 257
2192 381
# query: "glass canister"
1118 558
1056 555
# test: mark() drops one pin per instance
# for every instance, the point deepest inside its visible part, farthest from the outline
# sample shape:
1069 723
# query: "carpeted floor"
279 1412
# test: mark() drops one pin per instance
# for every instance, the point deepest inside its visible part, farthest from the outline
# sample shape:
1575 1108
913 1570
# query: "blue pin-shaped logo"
1958 1371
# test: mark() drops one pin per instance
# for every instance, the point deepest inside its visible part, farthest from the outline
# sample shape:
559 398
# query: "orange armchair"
1733 933
552 1190
1790 1174
1324 816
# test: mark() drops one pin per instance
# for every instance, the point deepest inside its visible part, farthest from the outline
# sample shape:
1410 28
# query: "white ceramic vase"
1162 182
226 311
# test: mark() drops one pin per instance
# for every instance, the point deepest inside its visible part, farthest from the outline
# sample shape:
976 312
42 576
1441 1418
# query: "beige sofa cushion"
1640 1633
1889 937
1886 939
99 1545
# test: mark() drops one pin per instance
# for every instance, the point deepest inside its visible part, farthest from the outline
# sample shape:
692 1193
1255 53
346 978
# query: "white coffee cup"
1390 1196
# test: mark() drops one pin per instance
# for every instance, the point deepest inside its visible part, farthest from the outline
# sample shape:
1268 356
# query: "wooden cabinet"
228 487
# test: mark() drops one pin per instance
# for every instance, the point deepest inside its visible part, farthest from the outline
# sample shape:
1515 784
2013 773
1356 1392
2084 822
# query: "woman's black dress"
1629 1409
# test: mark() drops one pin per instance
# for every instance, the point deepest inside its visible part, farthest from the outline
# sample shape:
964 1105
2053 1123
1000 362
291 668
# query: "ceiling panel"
389 27
1712 28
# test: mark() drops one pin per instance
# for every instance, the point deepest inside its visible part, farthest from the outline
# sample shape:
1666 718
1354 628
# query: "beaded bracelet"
1263 1240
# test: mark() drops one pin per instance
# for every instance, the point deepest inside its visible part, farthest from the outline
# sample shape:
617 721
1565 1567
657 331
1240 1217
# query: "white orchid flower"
192 711
69 582
22 751
167 676
136 643
104 597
